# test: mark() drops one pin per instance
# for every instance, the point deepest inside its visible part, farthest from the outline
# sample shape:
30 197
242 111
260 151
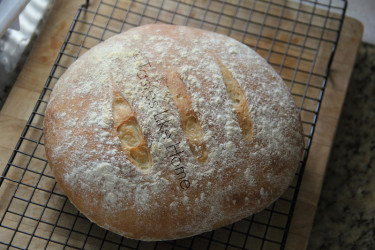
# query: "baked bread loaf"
164 132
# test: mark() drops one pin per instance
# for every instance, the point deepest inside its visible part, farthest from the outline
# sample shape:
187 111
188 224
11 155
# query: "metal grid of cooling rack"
297 38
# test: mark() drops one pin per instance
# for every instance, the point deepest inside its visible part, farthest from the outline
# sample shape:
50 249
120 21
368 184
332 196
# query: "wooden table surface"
31 80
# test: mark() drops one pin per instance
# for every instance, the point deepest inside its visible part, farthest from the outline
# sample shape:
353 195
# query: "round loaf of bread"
164 132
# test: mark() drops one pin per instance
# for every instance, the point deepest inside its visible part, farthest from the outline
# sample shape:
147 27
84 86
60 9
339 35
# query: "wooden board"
30 82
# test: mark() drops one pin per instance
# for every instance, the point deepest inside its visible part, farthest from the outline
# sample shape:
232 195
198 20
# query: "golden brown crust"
171 131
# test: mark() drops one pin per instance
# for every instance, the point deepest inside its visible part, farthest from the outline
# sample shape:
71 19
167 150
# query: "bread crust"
164 132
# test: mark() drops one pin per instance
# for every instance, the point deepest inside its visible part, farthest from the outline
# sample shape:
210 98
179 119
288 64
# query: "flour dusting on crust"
179 197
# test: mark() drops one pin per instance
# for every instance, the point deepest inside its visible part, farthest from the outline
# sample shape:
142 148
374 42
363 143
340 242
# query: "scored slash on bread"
129 132
239 101
189 121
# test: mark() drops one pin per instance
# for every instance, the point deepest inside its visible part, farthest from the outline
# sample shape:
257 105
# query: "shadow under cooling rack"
297 38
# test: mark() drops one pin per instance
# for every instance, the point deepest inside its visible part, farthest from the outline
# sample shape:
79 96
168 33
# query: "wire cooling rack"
297 38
